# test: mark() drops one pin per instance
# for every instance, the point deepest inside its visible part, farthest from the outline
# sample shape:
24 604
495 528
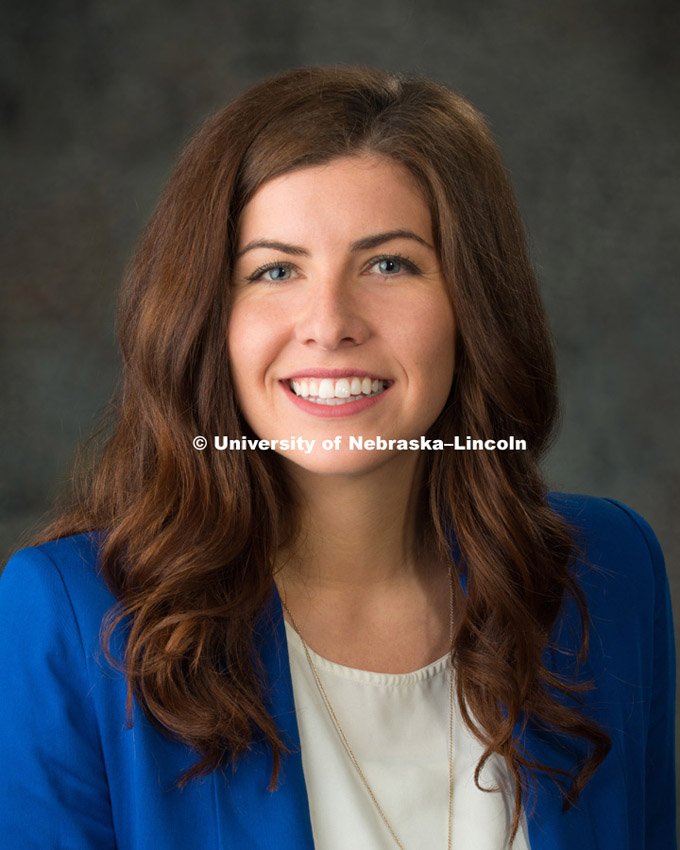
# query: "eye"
273 273
392 265
276 273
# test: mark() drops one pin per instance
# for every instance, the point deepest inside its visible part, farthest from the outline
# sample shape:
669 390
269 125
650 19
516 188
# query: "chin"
342 462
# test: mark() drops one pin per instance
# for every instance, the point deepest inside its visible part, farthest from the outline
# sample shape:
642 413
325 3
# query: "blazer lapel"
249 816
592 824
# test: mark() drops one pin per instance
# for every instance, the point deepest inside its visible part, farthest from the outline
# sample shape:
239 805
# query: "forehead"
347 198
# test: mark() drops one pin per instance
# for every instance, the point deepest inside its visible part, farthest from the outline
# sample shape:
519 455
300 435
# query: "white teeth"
329 391
342 388
326 388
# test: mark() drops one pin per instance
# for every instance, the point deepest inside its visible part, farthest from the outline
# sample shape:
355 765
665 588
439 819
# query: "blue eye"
272 273
389 266
393 265
276 273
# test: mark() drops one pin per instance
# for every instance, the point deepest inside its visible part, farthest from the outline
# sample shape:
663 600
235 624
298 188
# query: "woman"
324 622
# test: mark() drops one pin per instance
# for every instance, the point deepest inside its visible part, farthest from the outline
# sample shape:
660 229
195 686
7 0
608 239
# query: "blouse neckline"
367 677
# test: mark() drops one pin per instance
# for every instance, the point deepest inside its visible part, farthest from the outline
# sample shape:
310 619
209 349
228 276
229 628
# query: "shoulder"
607 521
56 588
615 542
72 562
621 570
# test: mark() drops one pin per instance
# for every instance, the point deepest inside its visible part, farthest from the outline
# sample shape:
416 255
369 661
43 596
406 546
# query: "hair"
189 538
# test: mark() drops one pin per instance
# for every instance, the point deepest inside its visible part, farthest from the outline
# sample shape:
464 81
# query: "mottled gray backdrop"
96 99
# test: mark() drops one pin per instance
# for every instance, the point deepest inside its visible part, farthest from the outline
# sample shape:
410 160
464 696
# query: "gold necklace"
346 744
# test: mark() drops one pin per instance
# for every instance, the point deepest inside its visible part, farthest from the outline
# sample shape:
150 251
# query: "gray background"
97 98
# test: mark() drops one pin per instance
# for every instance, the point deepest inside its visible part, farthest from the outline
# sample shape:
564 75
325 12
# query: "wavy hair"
190 537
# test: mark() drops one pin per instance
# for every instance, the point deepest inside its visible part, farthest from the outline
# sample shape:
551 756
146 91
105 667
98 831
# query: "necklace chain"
346 743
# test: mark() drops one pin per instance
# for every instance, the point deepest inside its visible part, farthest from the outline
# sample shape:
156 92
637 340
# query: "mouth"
334 392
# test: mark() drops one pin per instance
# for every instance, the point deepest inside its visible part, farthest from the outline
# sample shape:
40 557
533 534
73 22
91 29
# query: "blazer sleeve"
53 785
659 799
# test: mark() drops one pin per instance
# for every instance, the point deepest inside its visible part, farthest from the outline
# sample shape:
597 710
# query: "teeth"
342 388
328 391
326 388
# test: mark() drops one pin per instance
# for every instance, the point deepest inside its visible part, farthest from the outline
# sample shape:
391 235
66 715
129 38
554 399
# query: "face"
340 323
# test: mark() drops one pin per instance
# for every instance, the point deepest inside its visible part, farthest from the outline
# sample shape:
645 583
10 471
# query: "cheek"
245 356
429 335
443 336
250 342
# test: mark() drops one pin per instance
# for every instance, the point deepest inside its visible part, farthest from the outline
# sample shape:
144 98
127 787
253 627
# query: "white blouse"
397 726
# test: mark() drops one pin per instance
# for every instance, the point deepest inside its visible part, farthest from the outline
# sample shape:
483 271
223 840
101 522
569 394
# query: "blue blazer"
73 776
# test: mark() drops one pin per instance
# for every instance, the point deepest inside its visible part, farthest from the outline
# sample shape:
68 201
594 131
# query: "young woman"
314 593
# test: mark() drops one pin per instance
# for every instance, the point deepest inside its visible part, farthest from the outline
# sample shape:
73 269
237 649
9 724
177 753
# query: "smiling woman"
387 648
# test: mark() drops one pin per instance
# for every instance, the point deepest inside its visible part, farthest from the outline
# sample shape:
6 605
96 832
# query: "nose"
332 316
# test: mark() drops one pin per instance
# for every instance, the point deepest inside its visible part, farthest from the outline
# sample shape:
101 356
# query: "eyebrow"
364 244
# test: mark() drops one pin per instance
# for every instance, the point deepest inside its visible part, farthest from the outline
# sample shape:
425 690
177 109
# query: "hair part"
190 537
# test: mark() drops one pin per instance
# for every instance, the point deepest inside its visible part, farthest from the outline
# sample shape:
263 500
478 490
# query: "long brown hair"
190 536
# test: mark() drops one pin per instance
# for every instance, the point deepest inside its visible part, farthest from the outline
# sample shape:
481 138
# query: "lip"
341 411
333 373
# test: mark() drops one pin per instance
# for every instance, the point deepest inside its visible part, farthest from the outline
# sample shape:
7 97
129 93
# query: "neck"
356 530
360 592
